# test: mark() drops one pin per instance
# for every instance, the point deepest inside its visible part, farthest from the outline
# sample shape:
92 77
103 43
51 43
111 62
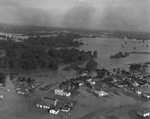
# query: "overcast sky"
94 14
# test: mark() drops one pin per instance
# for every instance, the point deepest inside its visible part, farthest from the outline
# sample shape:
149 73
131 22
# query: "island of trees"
120 55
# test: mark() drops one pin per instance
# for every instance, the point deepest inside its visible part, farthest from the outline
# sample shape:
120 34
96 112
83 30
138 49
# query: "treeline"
61 40
131 35
2 78
138 66
39 52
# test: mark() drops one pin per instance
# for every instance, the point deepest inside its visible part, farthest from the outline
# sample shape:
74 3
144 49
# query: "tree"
91 66
29 80
95 54
2 78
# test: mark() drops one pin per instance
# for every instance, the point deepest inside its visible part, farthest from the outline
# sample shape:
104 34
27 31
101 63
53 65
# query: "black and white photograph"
74 59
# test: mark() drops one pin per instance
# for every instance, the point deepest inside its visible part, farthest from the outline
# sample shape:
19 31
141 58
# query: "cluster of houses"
12 37
47 87
144 95
24 85
143 113
125 81
68 87
55 105
65 90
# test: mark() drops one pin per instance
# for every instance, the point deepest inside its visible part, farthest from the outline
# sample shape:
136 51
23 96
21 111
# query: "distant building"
3 37
24 89
1 96
1 85
138 92
100 93
145 95
92 82
2 53
144 113
135 84
23 92
62 92
65 109
81 83
84 74
43 105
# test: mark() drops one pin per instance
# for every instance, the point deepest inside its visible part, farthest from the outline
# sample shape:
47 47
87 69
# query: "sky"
132 15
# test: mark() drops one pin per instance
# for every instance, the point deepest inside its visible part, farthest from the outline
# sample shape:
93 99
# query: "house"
53 110
92 82
1 85
135 84
120 86
1 96
65 109
81 84
145 95
50 101
100 93
84 74
144 113
65 86
62 92
22 91
43 105
138 92
22 88
2 53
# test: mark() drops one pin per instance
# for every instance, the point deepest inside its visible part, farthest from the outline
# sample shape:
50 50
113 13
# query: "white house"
91 81
23 92
81 84
62 92
138 92
101 93
65 109
135 84
84 74
54 110
42 105
146 95
1 96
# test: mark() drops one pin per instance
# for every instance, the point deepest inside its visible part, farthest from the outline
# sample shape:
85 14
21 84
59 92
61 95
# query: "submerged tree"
91 66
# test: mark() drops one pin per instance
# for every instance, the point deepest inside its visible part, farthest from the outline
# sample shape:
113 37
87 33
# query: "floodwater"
104 47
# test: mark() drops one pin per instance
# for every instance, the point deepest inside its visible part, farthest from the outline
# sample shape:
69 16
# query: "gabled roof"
48 98
43 103
65 108
54 108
